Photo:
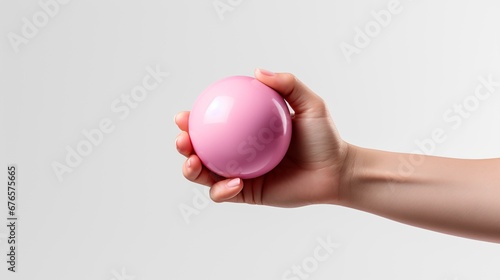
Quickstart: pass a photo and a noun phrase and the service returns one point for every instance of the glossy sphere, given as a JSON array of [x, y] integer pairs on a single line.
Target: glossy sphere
[[240, 127]]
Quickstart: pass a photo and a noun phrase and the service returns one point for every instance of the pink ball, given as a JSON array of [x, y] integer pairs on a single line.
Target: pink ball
[[239, 127]]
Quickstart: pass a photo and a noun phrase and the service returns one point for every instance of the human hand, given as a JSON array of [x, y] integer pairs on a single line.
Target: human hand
[[312, 170]]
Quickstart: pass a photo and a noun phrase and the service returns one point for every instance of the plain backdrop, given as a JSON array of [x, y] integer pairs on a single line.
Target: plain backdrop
[[118, 213]]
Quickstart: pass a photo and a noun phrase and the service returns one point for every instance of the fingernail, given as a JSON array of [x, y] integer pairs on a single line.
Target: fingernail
[[233, 183], [188, 162], [265, 72], [175, 118]]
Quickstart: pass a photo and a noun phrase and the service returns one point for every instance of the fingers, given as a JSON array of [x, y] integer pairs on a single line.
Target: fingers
[[194, 171], [182, 120], [226, 190], [299, 96], [220, 191], [183, 144], [193, 168]]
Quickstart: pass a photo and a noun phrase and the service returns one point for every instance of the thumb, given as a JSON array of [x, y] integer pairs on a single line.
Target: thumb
[[302, 99]]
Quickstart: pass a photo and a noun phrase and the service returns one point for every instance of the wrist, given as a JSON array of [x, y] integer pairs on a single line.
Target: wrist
[[347, 174]]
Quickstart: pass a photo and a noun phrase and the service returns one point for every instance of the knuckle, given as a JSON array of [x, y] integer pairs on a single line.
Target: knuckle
[[214, 197], [189, 174], [290, 78]]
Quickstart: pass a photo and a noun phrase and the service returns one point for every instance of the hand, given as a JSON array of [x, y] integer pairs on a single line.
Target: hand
[[454, 196], [311, 171]]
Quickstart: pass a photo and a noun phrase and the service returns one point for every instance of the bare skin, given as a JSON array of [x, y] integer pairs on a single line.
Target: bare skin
[[454, 196]]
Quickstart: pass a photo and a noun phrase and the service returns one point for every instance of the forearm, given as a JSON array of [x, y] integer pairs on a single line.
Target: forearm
[[455, 196]]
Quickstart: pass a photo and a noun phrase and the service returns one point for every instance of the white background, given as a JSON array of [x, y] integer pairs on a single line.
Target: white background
[[116, 215]]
